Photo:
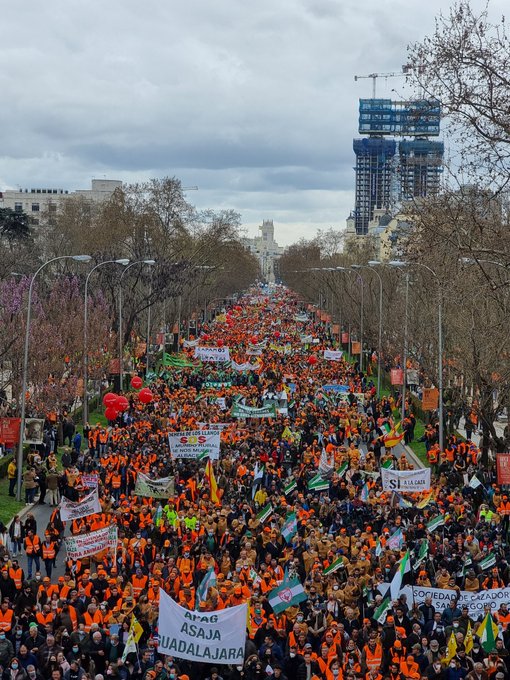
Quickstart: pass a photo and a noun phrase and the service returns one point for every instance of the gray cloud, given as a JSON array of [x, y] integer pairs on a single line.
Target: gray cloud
[[254, 103]]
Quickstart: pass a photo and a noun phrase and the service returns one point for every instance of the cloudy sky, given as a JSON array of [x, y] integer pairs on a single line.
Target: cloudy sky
[[253, 102]]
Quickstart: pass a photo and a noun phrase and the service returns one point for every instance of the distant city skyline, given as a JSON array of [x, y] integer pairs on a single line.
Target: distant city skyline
[[255, 106]]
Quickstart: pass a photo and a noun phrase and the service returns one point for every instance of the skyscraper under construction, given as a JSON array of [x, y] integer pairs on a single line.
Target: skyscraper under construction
[[384, 177]]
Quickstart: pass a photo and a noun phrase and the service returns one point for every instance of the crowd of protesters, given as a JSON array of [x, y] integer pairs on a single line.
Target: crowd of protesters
[[76, 626]]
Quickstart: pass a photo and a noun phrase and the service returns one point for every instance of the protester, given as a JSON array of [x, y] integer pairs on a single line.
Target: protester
[[297, 493]]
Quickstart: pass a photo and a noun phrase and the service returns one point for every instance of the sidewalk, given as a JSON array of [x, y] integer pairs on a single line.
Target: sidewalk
[[475, 438]]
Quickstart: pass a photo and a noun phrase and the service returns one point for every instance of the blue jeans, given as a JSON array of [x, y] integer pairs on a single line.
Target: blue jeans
[[33, 559]]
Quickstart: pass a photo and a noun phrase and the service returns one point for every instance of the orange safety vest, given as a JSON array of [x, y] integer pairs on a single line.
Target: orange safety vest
[[6, 620], [373, 659], [17, 577], [32, 545], [48, 551], [139, 584], [89, 620]]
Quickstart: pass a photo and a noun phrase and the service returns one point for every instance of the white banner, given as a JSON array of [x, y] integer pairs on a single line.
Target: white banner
[[195, 444], [154, 488], [189, 343], [333, 354], [406, 480], [90, 481], [246, 366], [474, 601], [210, 637], [69, 510], [91, 543], [215, 354]]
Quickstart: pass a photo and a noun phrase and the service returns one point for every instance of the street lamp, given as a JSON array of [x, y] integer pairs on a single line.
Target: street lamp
[[399, 263], [85, 407], [371, 264], [121, 354], [358, 266], [76, 258]]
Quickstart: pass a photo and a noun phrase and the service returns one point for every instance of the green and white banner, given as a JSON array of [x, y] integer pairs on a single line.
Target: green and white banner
[[85, 545], [195, 444], [154, 488], [216, 384], [241, 411]]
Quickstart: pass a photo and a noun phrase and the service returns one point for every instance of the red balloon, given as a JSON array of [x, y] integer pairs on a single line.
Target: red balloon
[[136, 382], [111, 413], [220, 343], [145, 395], [205, 337], [238, 308], [109, 399], [122, 404], [277, 334], [312, 359], [254, 339]]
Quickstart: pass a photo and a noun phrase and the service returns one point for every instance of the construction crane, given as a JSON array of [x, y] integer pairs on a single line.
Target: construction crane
[[374, 77]]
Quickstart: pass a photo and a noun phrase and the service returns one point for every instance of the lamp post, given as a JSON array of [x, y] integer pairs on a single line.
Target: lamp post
[[85, 407], [371, 265], [357, 266], [399, 263], [76, 258], [121, 354]]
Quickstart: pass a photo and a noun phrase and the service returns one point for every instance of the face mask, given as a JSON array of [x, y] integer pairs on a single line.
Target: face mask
[[2, 636], [239, 668], [37, 578], [336, 672], [335, 587], [14, 666], [452, 665], [455, 625], [299, 618], [18, 633], [76, 650], [476, 649]]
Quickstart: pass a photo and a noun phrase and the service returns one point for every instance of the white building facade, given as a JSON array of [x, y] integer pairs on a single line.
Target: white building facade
[[40, 203], [266, 249]]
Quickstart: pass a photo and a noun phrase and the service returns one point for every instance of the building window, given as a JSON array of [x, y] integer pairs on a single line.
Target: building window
[[35, 207], [18, 207], [52, 207]]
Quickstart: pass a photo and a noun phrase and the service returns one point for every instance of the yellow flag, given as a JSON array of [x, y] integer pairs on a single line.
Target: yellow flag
[[135, 629], [248, 618], [451, 649], [468, 640]]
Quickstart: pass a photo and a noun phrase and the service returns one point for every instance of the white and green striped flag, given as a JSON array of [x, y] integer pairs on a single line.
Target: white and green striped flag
[[336, 564], [203, 454], [208, 580], [317, 483], [382, 609], [254, 576], [435, 523], [378, 547], [266, 512], [342, 469], [474, 482], [289, 529], [290, 487], [422, 554], [388, 464], [290, 593], [488, 561], [395, 541], [396, 581]]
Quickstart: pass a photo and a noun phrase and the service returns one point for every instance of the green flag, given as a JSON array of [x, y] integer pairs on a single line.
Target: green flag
[[382, 609], [488, 633]]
